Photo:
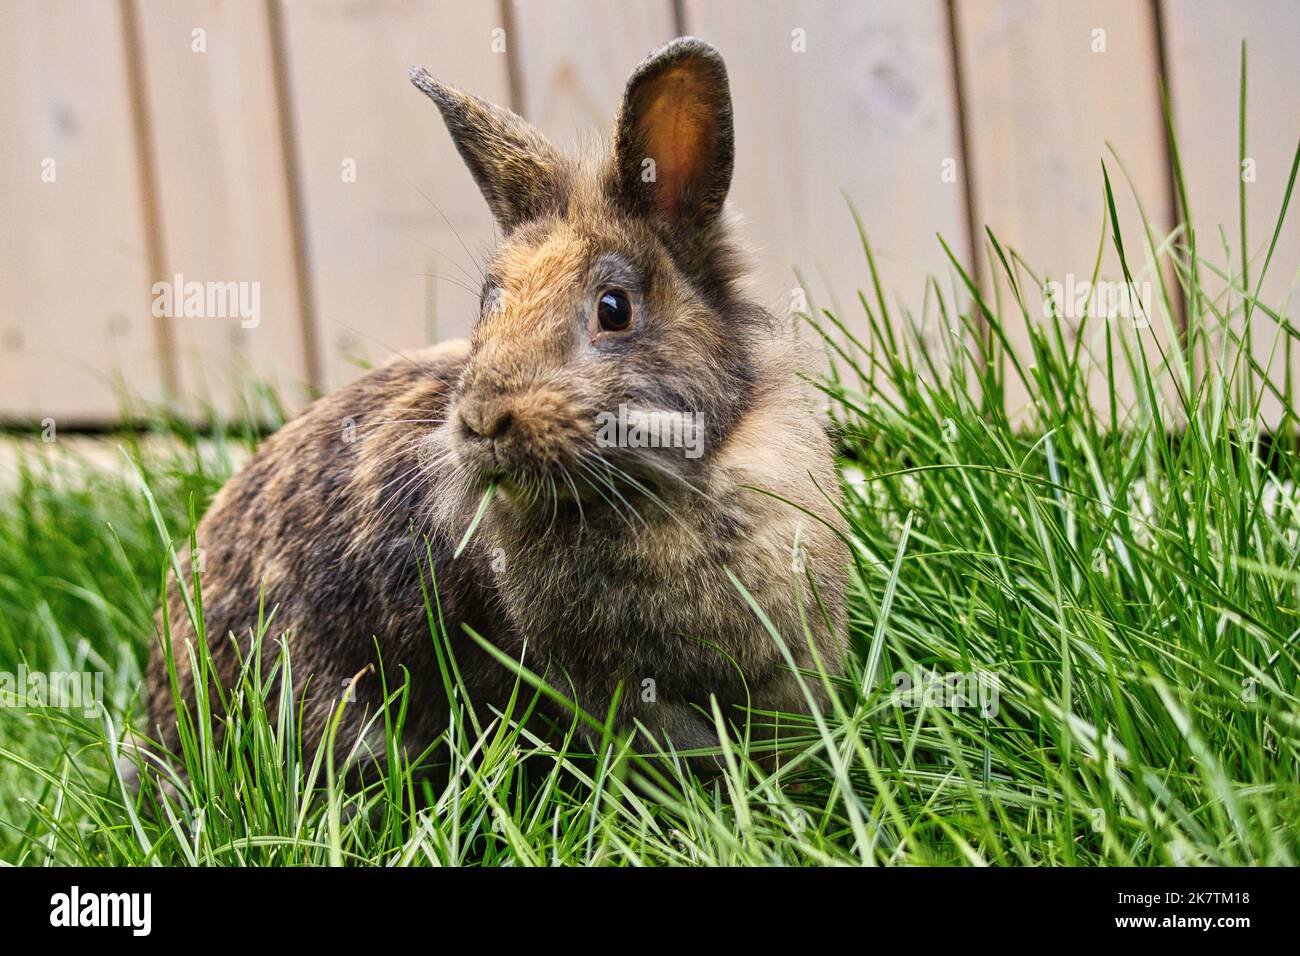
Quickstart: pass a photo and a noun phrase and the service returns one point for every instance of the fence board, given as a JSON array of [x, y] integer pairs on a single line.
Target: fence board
[[1042, 106], [870, 107], [1202, 41], [573, 80], [74, 302], [389, 272], [867, 109], [221, 184]]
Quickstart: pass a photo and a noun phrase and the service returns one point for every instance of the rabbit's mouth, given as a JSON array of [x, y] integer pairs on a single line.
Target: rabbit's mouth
[[515, 440], [578, 482], [546, 453]]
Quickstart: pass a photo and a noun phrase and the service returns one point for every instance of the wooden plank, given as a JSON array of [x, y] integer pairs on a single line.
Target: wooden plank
[[221, 184], [379, 172], [573, 79], [74, 289], [843, 98], [1202, 48], [1045, 92]]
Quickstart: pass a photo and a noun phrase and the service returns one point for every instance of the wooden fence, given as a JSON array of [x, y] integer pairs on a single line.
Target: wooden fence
[[279, 143]]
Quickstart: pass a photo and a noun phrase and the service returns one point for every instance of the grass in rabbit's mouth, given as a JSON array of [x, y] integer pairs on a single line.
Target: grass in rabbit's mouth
[[478, 517], [1074, 631]]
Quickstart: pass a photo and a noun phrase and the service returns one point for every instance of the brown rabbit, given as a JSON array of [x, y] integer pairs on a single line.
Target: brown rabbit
[[610, 311]]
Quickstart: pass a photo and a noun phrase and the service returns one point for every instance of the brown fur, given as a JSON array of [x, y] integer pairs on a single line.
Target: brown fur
[[609, 565]]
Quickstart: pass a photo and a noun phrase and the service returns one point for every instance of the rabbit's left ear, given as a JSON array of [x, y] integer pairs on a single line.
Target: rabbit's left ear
[[673, 142], [518, 171]]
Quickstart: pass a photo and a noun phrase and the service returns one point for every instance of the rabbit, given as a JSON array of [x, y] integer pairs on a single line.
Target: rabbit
[[614, 300]]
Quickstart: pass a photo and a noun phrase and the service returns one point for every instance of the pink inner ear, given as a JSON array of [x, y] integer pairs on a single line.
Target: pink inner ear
[[676, 126]]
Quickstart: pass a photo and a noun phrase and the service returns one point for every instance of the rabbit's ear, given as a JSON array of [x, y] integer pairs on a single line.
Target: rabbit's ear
[[673, 143], [518, 171]]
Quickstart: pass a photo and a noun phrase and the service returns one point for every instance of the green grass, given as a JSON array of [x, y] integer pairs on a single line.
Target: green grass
[[1127, 571]]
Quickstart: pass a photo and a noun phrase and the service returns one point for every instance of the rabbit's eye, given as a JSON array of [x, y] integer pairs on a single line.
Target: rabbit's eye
[[614, 310]]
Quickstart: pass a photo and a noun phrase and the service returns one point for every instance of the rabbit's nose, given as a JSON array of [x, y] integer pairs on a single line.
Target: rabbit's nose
[[485, 421]]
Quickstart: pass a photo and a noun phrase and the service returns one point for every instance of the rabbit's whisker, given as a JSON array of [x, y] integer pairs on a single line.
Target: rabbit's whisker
[[450, 280], [669, 473], [614, 489], [577, 498], [645, 491], [587, 474], [454, 231], [403, 421]]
